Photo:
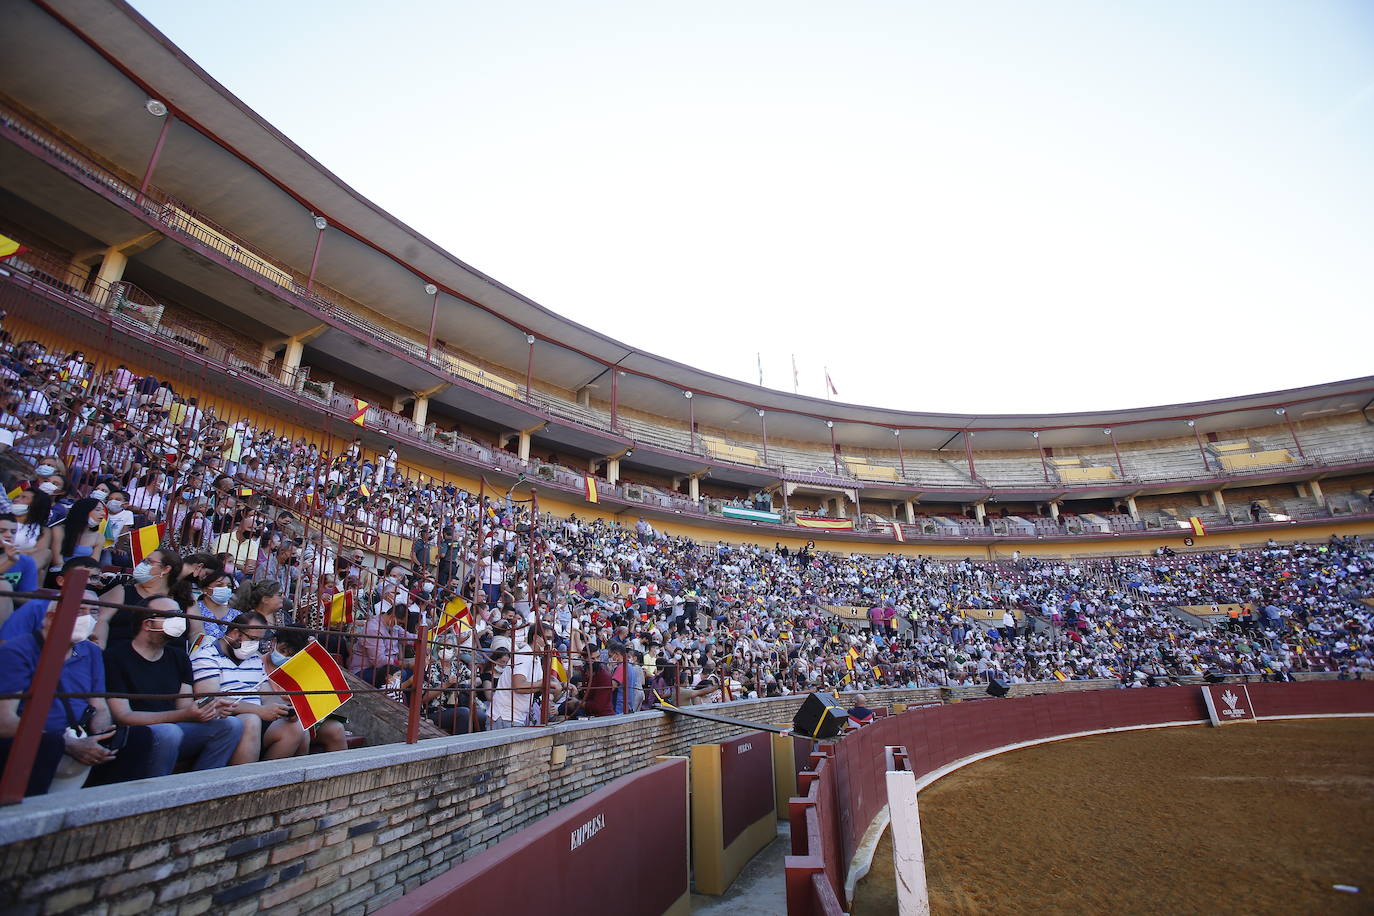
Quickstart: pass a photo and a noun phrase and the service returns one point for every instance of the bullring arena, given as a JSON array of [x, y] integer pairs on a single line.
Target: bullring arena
[[339, 578]]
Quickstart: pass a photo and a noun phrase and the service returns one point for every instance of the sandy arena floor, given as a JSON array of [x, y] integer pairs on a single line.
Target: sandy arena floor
[[1242, 819]]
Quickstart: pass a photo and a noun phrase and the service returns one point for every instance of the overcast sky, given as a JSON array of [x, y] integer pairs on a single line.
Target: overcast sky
[[994, 207]]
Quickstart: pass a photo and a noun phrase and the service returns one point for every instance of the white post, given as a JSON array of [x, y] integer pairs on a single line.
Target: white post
[[908, 853]]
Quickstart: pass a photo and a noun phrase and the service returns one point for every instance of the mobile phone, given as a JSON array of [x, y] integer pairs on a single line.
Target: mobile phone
[[205, 701]]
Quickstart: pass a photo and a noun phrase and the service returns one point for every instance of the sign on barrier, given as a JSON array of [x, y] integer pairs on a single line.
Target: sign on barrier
[[733, 807], [1227, 703], [572, 853]]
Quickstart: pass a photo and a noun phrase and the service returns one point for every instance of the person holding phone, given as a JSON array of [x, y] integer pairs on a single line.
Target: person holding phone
[[78, 733]]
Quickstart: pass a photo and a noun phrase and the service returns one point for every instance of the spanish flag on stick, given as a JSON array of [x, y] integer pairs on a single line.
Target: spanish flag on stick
[[145, 540], [1199, 529], [557, 667], [19, 488], [359, 417], [313, 669], [589, 488], [341, 610], [1059, 675], [455, 616]]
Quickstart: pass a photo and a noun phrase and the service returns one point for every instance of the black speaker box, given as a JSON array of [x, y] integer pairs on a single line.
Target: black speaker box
[[998, 688], [821, 716]]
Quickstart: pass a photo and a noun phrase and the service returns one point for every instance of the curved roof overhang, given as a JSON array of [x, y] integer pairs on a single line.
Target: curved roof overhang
[[87, 69]]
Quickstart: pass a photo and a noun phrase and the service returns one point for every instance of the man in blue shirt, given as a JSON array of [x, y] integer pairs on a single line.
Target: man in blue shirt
[[28, 617], [75, 727]]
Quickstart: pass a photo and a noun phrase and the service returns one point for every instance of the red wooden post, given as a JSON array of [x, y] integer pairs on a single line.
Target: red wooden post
[[968, 454], [834, 453], [1292, 430], [529, 367], [1119, 466], [901, 459], [1044, 468], [615, 398], [691, 422], [53, 656], [417, 684], [763, 424], [433, 319], [1206, 466]]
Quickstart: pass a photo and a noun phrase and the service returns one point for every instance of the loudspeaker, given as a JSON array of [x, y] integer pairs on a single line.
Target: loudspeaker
[[821, 716], [998, 688]]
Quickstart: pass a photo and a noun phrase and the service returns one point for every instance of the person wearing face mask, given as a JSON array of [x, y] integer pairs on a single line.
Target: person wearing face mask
[[84, 533], [204, 731], [28, 617], [216, 591], [448, 706], [77, 732], [241, 543], [234, 663], [330, 733], [32, 508], [158, 575]]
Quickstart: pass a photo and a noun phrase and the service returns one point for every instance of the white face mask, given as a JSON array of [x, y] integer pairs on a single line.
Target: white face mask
[[20, 509], [429, 587], [48, 487], [248, 649], [143, 572], [174, 626], [116, 505], [99, 496], [44, 470], [81, 631]]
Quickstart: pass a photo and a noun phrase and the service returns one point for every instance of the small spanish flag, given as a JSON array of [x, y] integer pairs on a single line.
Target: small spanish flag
[[556, 666], [455, 616], [589, 488], [897, 532], [145, 540], [18, 488], [1059, 675], [341, 610], [364, 490], [9, 248], [245, 492], [310, 670], [877, 672], [849, 662], [1199, 529], [359, 417]]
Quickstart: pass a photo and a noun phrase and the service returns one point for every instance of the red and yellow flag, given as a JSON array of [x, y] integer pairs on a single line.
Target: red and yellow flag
[[19, 488], [557, 667], [589, 488], [364, 490], [313, 669], [145, 540], [9, 248], [341, 610], [455, 616], [359, 417], [1199, 529], [1059, 675], [897, 532], [245, 492]]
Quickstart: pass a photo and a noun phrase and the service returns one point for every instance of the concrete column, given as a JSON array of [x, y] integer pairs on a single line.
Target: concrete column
[[291, 360], [420, 411], [1317, 493], [1054, 511], [523, 449], [269, 353], [980, 513], [910, 511], [694, 488], [1130, 507], [112, 264], [612, 471], [1219, 500]]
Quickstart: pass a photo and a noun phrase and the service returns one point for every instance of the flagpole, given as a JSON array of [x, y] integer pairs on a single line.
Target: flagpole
[[827, 381]]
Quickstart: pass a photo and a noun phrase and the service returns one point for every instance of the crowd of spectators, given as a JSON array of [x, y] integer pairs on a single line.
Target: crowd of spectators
[[556, 617]]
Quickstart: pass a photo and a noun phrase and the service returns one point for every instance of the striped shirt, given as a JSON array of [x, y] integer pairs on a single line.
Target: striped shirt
[[208, 662]]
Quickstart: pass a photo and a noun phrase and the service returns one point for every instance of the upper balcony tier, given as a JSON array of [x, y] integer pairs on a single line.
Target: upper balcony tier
[[354, 292]]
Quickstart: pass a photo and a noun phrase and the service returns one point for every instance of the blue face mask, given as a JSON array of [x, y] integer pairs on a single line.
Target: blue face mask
[[278, 659]]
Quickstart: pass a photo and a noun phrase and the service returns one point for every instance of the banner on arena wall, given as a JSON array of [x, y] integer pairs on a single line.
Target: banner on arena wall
[[833, 524], [1228, 703], [611, 588], [753, 515]]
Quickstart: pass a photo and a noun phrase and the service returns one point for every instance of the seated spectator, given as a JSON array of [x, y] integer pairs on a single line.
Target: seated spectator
[[77, 734], [216, 593], [233, 663], [520, 681], [859, 714], [28, 617], [203, 732], [378, 653]]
